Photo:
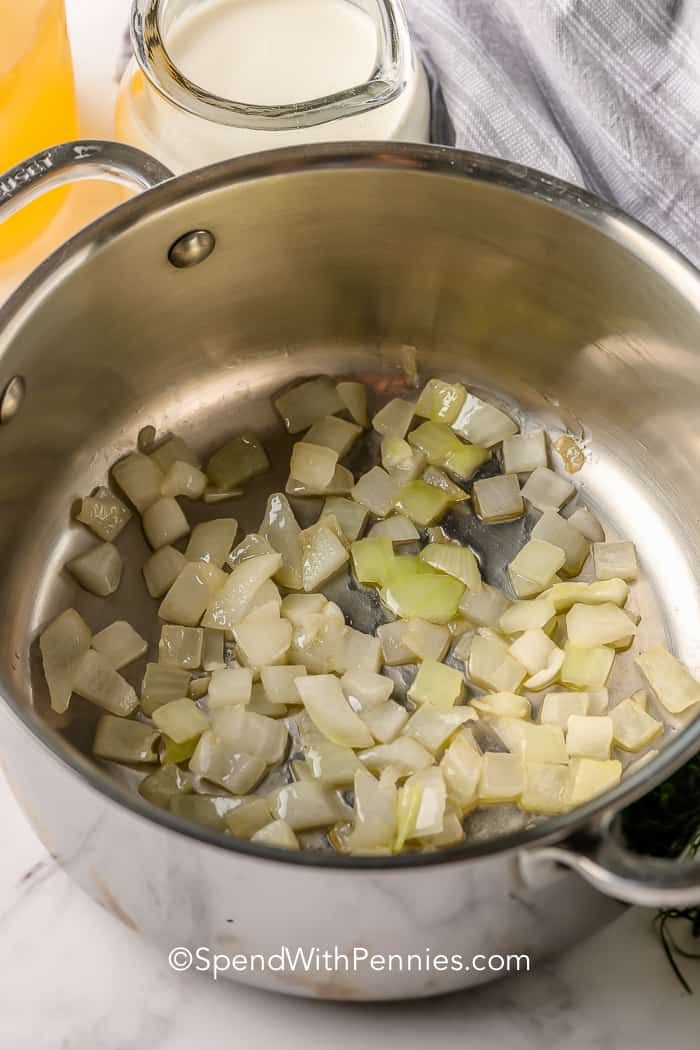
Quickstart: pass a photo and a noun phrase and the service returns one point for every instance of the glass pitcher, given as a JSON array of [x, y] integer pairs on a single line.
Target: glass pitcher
[[212, 79]]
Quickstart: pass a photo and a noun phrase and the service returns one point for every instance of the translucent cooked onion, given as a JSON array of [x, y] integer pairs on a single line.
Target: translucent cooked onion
[[125, 741], [164, 522], [231, 768], [234, 598], [404, 756], [394, 649], [264, 642], [96, 680], [432, 727], [565, 595], [323, 555], [230, 685], [213, 657], [377, 491], [277, 834], [506, 705], [437, 685], [615, 561], [104, 513], [304, 806], [545, 788], [459, 562], [99, 570], [462, 766], [237, 461], [589, 777], [524, 453], [440, 400], [331, 713], [498, 498], [492, 667], [211, 541], [537, 562], [120, 644], [589, 736], [254, 734], [252, 814], [558, 531], [464, 461], [394, 419], [502, 777], [191, 593], [482, 423], [426, 596], [366, 689], [531, 742], [351, 516], [181, 646], [587, 524], [279, 683], [438, 478], [336, 434], [374, 824], [633, 727], [354, 397], [533, 649], [174, 449], [400, 460], [385, 721], [372, 559], [162, 569], [673, 684], [484, 607], [182, 479], [341, 484], [162, 684], [428, 641], [304, 404], [586, 668], [424, 504], [180, 719], [591, 625], [546, 490], [313, 465], [140, 479], [164, 784], [357, 652], [397, 528], [63, 644], [525, 615]]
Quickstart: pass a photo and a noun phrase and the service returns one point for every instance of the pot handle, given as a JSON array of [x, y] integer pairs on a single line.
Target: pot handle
[[597, 856], [73, 162]]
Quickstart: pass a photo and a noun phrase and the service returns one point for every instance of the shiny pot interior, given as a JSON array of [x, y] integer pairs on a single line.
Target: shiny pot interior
[[329, 263]]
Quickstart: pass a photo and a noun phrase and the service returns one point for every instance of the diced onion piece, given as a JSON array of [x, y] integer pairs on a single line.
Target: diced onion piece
[[230, 685], [397, 528], [279, 683], [341, 484], [615, 561], [375, 813], [482, 423], [278, 835], [199, 687], [502, 777], [377, 491], [354, 397], [230, 767], [358, 651], [313, 465], [549, 673], [182, 479], [436, 441], [558, 707], [424, 504], [213, 650], [211, 541], [385, 721], [63, 644], [428, 641], [498, 498], [365, 690], [394, 649], [485, 607], [589, 736], [350, 516], [331, 713], [162, 569], [304, 806], [545, 788], [564, 595], [394, 419], [427, 817], [254, 734], [432, 727], [589, 777], [527, 615], [281, 530], [191, 593], [304, 404], [493, 668], [587, 524], [181, 646], [250, 816], [139, 478], [557, 530], [537, 561], [233, 600], [104, 513], [99, 570], [459, 562], [251, 546], [426, 596], [120, 644], [164, 522], [316, 644], [126, 741], [633, 728], [372, 559], [180, 719], [503, 705], [523, 588], [533, 649], [261, 705], [96, 680], [333, 433], [174, 449], [438, 478], [440, 400], [461, 766], [545, 490], [464, 461], [534, 743], [400, 460], [323, 555], [641, 698], [237, 461], [452, 831], [672, 683], [162, 684], [524, 453], [263, 642], [165, 783], [404, 755], [597, 701], [590, 625], [298, 607], [437, 685], [586, 668], [207, 810]]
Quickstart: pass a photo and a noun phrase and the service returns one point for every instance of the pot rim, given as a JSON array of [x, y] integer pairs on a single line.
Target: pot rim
[[609, 220]]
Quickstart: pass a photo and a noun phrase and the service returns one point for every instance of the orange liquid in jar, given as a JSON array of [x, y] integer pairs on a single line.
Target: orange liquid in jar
[[37, 104]]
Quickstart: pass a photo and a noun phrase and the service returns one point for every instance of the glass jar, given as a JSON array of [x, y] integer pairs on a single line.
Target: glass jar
[[212, 79]]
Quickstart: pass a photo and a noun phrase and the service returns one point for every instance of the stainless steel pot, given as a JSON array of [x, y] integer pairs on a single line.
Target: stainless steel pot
[[185, 308]]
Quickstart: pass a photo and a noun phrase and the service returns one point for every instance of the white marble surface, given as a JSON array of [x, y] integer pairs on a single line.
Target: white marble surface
[[73, 978]]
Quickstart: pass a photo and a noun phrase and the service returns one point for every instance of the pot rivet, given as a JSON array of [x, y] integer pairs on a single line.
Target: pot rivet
[[12, 398], [192, 248]]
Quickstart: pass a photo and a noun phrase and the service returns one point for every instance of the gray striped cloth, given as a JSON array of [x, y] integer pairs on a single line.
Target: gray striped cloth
[[603, 93]]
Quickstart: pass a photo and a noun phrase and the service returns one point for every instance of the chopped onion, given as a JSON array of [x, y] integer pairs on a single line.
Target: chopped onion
[[262, 643], [546, 490], [502, 777], [174, 450], [403, 755], [558, 531], [432, 727], [254, 734], [213, 650], [564, 595], [545, 788], [354, 397], [633, 728], [162, 569], [97, 681], [428, 641], [426, 596], [505, 705], [181, 646], [279, 683], [440, 400], [485, 607], [461, 766], [164, 784], [190, 594], [99, 570], [459, 562], [164, 522], [524, 453], [498, 498], [317, 643], [673, 684], [250, 816], [394, 419], [532, 742], [323, 556], [266, 603], [208, 810], [277, 834], [281, 530], [104, 513], [422, 503], [482, 423], [298, 607], [527, 615], [237, 461], [162, 684], [589, 736], [63, 644], [438, 478], [365, 690], [309, 805], [586, 668], [421, 806], [436, 441], [120, 644], [377, 491], [400, 460], [230, 685], [333, 433], [587, 524], [325, 702], [590, 625], [524, 588], [533, 649], [126, 741], [437, 685], [233, 600], [180, 719], [372, 559], [397, 528], [558, 707], [375, 813], [394, 649], [464, 461], [597, 701], [211, 541], [537, 562], [182, 479], [615, 561], [261, 705], [548, 674], [589, 777], [492, 667], [358, 652], [217, 761], [341, 484], [386, 721], [139, 478], [304, 404], [199, 687], [313, 465], [350, 516]]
